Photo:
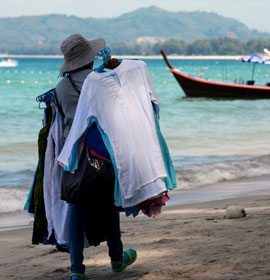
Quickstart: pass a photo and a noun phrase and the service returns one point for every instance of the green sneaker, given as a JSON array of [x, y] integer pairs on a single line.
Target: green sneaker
[[128, 258], [78, 276]]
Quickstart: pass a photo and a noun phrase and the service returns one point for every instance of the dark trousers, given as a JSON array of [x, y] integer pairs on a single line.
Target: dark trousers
[[76, 235]]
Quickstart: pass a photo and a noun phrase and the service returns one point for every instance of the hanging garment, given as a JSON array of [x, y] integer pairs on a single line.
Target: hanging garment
[[120, 102], [35, 201], [56, 209]]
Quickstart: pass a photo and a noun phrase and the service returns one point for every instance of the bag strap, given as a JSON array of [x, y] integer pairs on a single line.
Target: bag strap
[[73, 84]]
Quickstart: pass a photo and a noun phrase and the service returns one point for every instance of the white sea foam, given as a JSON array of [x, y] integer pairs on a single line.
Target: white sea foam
[[196, 175], [189, 175], [12, 199]]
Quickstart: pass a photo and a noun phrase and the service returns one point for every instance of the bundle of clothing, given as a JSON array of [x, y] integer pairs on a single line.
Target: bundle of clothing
[[119, 109], [123, 105]]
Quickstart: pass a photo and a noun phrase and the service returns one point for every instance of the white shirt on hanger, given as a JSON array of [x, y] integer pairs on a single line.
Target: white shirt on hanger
[[121, 101]]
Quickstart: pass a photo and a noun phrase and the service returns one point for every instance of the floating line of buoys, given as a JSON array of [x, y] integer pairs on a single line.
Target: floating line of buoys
[[24, 81], [40, 72]]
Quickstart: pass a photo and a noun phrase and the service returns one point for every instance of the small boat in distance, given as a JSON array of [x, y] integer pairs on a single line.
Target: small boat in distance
[[8, 62], [199, 87]]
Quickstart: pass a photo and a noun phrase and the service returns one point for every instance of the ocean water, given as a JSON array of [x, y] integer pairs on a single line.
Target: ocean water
[[210, 140]]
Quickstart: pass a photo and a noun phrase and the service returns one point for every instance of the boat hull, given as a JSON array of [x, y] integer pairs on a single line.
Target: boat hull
[[195, 87], [198, 87]]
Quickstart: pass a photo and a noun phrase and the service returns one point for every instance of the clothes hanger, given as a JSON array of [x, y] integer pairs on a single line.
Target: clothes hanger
[[108, 61]]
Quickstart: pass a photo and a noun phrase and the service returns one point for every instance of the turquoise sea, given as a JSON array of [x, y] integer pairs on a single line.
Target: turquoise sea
[[210, 140]]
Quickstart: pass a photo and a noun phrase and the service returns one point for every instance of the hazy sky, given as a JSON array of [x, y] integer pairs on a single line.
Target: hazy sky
[[254, 14]]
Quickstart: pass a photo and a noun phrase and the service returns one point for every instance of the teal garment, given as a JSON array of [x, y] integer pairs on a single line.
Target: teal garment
[[74, 156], [27, 206], [170, 181]]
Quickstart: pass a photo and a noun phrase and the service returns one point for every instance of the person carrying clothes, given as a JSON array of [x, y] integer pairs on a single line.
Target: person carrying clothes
[[92, 211]]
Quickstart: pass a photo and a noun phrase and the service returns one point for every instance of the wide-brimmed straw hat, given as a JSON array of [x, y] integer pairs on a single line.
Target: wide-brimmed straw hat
[[79, 52]]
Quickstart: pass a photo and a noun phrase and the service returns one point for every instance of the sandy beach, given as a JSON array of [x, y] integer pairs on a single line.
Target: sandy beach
[[189, 240]]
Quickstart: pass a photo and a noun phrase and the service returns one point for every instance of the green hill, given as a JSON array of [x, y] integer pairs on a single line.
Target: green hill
[[43, 34]]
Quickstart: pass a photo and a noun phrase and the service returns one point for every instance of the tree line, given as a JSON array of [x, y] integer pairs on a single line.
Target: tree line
[[217, 46]]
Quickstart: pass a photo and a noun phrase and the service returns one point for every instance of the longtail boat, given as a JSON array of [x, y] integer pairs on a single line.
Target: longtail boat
[[200, 87]]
